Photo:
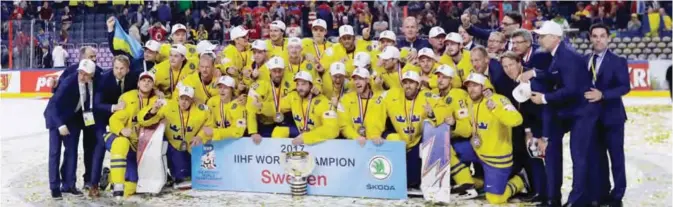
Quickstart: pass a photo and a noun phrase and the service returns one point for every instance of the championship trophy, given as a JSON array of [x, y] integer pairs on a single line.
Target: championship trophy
[[299, 165]]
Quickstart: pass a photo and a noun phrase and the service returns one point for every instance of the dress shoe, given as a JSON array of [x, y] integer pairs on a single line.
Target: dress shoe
[[73, 191], [56, 194]]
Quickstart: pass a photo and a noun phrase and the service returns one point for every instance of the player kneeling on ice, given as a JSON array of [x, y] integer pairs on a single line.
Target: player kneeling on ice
[[228, 115], [493, 117], [122, 140], [184, 120]]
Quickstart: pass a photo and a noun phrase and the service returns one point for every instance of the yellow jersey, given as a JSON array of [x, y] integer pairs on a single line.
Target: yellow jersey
[[165, 51], [338, 53], [127, 118], [228, 120], [314, 49], [456, 101], [312, 116], [265, 91], [462, 68], [167, 79], [407, 116], [273, 50], [181, 126], [494, 129], [356, 112], [202, 91]]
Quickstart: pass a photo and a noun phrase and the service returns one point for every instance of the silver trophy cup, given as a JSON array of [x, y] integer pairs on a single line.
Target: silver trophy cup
[[299, 165]]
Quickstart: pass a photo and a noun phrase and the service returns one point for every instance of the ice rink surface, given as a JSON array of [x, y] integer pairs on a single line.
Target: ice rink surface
[[24, 148]]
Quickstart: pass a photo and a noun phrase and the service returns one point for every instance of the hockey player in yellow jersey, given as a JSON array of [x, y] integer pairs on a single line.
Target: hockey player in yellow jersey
[[340, 84], [264, 97], [493, 117], [228, 114], [386, 38], [456, 57], [178, 36], [122, 140], [407, 119], [170, 72], [426, 66], [184, 121], [256, 69], [236, 55], [314, 48], [312, 115], [362, 115], [296, 62], [277, 44], [203, 82], [345, 50], [391, 76]]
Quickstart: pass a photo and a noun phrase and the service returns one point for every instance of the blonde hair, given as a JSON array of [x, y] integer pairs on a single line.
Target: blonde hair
[[123, 59]]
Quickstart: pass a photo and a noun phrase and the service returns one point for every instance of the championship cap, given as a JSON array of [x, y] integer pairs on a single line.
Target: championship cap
[[179, 48], [337, 68], [428, 53], [237, 32], [152, 45], [178, 27], [146, 74], [436, 31], [186, 91], [362, 59], [390, 52], [446, 70], [294, 41], [411, 75], [522, 92], [86, 65], [319, 23], [346, 30], [361, 72], [454, 37], [388, 35], [276, 62], [259, 45], [227, 81], [550, 28], [476, 78], [303, 75], [277, 24], [204, 46]]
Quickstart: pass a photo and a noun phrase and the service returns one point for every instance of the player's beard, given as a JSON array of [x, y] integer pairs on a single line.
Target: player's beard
[[410, 93], [304, 93]]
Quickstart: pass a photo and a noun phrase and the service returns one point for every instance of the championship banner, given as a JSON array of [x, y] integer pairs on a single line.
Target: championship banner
[[342, 167]]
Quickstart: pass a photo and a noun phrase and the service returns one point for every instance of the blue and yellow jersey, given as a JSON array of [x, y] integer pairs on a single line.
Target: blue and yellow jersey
[[127, 118], [350, 109], [456, 103], [463, 67], [167, 79], [228, 120], [312, 116], [494, 128], [181, 126], [264, 91], [407, 116], [202, 91], [165, 51]]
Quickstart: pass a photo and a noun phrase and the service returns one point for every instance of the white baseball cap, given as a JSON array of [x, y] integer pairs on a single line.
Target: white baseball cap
[[361, 72], [303, 75], [179, 48], [275, 62], [186, 91], [476, 78], [522, 92], [390, 52], [294, 41], [550, 28], [446, 70], [388, 35], [205, 46], [428, 53], [277, 24], [178, 27], [436, 31], [152, 45], [362, 59], [86, 65], [146, 74], [454, 37], [259, 45], [237, 32], [346, 30], [337, 68], [227, 81], [411, 75], [319, 23]]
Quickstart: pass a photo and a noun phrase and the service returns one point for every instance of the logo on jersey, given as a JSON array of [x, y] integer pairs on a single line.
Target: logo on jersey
[[482, 125], [380, 167]]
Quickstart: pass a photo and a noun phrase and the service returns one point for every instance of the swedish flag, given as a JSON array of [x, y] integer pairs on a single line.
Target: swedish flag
[[122, 41]]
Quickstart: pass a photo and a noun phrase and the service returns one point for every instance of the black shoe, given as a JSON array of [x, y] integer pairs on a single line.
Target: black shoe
[[73, 191], [550, 203], [56, 194], [464, 192], [615, 204], [532, 198], [104, 179]]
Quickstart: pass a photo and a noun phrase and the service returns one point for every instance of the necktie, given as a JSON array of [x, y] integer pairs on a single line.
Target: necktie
[[87, 102], [121, 85], [594, 70]]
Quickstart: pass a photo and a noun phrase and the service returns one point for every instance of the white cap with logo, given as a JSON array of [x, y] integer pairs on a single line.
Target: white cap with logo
[[411, 75], [87, 66], [184, 90], [522, 92], [427, 52], [294, 41], [237, 32], [362, 59], [346, 30], [146, 74], [227, 81], [303, 75], [275, 63], [388, 35], [152, 45], [361, 72], [259, 45], [178, 27], [550, 28], [390, 52], [319, 23], [204, 46], [454, 37], [436, 31], [278, 25], [476, 78], [337, 68], [446, 70], [179, 48]]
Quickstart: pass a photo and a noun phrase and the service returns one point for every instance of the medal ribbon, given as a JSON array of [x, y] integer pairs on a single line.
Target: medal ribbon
[[183, 124], [173, 82], [317, 50], [140, 101], [363, 111], [222, 113], [409, 114], [245, 58], [306, 113], [475, 118], [592, 66], [205, 90], [276, 97], [399, 72]]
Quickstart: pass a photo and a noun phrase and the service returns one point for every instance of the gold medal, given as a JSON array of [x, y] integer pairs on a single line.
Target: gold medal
[[183, 146], [362, 131], [476, 141], [279, 118]]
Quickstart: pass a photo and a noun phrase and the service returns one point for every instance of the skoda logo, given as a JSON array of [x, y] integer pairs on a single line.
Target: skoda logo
[[380, 167]]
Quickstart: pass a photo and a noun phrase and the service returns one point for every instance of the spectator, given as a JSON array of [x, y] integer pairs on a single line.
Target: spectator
[[468, 40], [484, 16], [226, 29], [216, 32], [201, 34], [59, 55], [43, 38], [654, 22], [411, 39], [493, 22], [46, 58], [206, 20], [670, 82], [603, 18], [46, 13], [548, 10], [124, 19], [380, 25], [666, 18], [622, 15], [164, 13], [135, 32], [293, 30], [158, 32], [66, 19], [561, 21], [496, 44], [64, 36], [428, 22]]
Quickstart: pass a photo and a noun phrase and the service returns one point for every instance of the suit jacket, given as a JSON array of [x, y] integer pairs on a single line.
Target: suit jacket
[[483, 34], [73, 70], [612, 80], [538, 59], [108, 93], [501, 82], [61, 107], [418, 44], [570, 78]]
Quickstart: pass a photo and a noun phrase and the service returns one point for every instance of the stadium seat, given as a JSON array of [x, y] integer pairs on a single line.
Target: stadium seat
[[584, 46], [651, 45], [656, 39], [612, 45], [635, 39], [587, 51], [632, 57], [670, 56], [647, 39], [642, 45], [666, 39], [656, 50], [661, 45], [626, 39], [617, 40], [631, 45], [621, 45], [652, 57], [662, 56], [641, 57], [647, 51], [627, 51], [637, 51], [617, 51], [670, 44], [667, 50]]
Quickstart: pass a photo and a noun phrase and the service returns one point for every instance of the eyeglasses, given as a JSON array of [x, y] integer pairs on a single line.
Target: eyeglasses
[[518, 42], [507, 24]]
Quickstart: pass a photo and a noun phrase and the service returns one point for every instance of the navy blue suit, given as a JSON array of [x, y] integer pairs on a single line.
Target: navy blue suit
[[61, 111], [612, 80], [107, 94], [483, 34], [501, 82], [418, 44], [568, 110], [73, 70]]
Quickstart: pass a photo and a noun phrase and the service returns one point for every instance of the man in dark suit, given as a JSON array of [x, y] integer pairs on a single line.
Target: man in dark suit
[[85, 52], [492, 69], [569, 110], [468, 40], [531, 56], [510, 22], [68, 111], [111, 85], [611, 81]]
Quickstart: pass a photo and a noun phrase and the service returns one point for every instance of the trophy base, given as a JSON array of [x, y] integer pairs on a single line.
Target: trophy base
[[298, 187]]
